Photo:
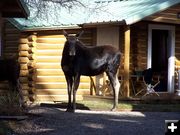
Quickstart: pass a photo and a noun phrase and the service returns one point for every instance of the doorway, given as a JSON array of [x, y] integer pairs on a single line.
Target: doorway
[[162, 36], [160, 57]]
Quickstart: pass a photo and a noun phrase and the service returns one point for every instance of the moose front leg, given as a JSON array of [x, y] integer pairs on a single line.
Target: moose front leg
[[75, 87], [69, 81]]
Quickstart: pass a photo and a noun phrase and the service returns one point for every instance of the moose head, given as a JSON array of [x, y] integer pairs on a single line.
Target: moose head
[[71, 41]]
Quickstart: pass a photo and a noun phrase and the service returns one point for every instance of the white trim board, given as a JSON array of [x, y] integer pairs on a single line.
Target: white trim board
[[171, 59]]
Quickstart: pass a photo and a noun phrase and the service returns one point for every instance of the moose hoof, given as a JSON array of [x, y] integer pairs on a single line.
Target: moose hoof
[[70, 110], [113, 109]]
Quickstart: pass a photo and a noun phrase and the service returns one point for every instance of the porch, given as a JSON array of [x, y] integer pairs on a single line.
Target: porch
[[163, 98], [136, 84]]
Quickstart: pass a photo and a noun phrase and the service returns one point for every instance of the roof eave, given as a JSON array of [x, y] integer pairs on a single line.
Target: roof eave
[[95, 24], [15, 23], [26, 29], [140, 16], [70, 26]]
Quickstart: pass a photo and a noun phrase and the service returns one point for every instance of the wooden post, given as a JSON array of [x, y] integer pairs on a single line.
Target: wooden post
[[92, 86], [126, 61]]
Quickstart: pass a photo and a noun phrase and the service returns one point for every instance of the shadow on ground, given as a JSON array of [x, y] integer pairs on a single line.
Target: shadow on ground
[[55, 121], [63, 105]]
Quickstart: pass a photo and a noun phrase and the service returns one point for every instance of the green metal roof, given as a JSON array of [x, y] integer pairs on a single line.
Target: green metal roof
[[96, 11]]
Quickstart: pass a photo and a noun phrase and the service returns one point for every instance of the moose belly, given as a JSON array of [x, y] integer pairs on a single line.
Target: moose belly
[[89, 71]]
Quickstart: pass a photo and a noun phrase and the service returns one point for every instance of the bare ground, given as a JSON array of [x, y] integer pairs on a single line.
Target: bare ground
[[55, 121]]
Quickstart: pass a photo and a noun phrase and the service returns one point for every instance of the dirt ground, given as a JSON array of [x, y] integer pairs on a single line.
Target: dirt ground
[[55, 121]]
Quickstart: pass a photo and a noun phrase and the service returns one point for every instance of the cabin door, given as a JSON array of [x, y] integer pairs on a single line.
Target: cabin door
[[160, 56]]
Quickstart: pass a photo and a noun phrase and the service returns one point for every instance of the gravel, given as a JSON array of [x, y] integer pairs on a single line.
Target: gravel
[[55, 121]]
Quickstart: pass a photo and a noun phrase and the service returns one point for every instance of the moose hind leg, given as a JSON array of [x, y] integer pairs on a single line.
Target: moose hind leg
[[116, 93], [116, 86]]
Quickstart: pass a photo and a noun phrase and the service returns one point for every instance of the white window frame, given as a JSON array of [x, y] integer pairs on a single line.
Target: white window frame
[[171, 59]]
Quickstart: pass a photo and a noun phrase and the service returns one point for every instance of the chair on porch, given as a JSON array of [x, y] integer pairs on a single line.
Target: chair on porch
[[149, 83], [106, 88]]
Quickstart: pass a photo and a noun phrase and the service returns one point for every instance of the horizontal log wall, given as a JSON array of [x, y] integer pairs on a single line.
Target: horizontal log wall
[[10, 40], [139, 44], [138, 47], [121, 48], [10, 48], [177, 39]]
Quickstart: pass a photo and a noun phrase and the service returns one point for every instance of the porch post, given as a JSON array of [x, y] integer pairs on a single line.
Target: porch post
[[126, 61]]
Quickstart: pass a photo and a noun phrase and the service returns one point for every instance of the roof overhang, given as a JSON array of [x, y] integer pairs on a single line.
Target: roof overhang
[[14, 8], [169, 16], [96, 24], [129, 12], [150, 11]]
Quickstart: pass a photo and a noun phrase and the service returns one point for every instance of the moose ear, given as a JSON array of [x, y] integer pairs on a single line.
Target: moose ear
[[65, 33], [79, 34]]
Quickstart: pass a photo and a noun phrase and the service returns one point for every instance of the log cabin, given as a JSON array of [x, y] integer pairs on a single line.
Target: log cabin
[[147, 32], [9, 9]]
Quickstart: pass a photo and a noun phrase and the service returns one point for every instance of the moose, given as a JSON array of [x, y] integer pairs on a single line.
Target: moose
[[9, 71], [78, 59]]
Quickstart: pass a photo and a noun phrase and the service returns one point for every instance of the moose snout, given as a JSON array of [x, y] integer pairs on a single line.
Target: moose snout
[[72, 53]]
